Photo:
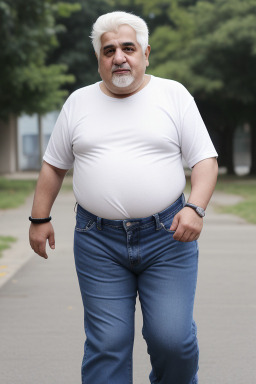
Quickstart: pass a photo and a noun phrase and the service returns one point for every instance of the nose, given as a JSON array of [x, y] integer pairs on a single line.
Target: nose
[[119, 57]]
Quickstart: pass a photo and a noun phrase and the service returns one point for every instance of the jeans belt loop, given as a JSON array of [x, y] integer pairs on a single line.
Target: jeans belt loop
[[99, 222], [157, 219]]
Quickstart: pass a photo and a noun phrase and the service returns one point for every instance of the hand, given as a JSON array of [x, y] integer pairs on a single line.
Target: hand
[[38, 235], [187, 225]]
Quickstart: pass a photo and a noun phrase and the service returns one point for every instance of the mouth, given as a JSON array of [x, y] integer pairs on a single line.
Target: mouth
[[121, 71]]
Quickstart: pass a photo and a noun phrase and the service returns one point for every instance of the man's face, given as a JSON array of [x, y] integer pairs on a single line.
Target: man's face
[[122, 63]]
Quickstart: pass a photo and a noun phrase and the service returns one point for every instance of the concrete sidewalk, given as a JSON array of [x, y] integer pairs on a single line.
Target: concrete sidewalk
[[41, 323]]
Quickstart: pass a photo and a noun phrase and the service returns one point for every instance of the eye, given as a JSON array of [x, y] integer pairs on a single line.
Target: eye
[[109, 52], [129, 49]]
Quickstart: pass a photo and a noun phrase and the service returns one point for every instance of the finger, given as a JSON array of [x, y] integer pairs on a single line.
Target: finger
[[185, 237], [51, 241], [178, 235], [175, 223], [192, 237], [41, 251], [34, 247]]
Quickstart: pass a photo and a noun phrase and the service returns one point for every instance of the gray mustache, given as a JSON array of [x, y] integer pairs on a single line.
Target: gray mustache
[[122, 66]]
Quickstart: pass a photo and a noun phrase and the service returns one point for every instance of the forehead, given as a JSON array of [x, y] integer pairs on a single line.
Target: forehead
[[125, 33]]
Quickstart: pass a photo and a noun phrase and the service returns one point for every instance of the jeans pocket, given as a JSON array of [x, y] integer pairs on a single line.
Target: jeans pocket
[[166, 223], [84, 223]]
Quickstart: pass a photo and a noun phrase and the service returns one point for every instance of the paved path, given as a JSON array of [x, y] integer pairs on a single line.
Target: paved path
[[41, 320]]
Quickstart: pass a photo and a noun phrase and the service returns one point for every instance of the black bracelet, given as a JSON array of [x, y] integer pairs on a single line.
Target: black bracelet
[[40, 221]]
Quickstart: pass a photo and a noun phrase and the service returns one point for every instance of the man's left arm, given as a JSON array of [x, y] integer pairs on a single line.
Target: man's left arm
[[187, 224]]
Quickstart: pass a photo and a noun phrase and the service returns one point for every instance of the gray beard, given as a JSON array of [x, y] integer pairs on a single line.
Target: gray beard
[[122, 81]]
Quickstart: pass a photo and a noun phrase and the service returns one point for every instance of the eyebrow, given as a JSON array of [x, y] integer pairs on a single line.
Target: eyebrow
[[125, 44]]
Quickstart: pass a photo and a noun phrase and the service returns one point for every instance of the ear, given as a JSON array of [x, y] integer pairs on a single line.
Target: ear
[[147, 52], [98, 61]]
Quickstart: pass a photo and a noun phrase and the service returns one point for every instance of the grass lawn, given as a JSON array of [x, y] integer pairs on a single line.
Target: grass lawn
[[5, 242], [14, 192], [241, 186]]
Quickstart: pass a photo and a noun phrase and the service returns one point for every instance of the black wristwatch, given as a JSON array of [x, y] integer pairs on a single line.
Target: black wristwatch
[[200, 211]]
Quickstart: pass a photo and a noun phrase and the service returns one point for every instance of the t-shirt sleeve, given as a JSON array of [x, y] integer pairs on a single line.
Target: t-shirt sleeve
[[196, 144], [59, 151]]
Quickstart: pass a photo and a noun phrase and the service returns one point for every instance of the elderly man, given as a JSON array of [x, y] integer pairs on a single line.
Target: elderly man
[[135, 234]]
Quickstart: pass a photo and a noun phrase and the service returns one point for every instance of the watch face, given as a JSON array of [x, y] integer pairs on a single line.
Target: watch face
[[200, 211]]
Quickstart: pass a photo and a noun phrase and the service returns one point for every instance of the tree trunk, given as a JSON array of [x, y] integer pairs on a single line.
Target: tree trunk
[[253, 149], [8, 145], [40, 138], [229, 147]]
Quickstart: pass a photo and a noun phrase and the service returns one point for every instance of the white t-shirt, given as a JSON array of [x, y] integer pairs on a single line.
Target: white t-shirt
[[127, 153]]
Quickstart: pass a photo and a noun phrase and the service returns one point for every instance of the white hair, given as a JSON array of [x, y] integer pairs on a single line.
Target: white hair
[[110, 23]]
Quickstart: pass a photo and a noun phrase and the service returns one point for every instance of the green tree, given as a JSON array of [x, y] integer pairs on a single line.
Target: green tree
[[75, 49], [211, 48], [28, 32]]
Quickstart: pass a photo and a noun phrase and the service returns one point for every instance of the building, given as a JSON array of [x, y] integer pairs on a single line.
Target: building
[[23, 142]]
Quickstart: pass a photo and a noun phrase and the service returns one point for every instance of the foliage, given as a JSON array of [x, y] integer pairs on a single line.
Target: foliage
[[210, 47], [28, 32], [14, 192], [75, 49]]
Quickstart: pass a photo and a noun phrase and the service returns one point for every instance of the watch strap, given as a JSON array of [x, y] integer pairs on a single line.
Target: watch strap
[[200, 211]]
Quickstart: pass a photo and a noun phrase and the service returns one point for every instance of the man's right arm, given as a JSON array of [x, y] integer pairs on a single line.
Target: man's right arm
[[47, 188]]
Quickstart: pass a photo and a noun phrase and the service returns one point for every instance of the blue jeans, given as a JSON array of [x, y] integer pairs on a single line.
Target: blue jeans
[[115, 260]]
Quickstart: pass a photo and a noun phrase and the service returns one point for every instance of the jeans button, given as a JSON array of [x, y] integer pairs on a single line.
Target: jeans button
[[128, 224]]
